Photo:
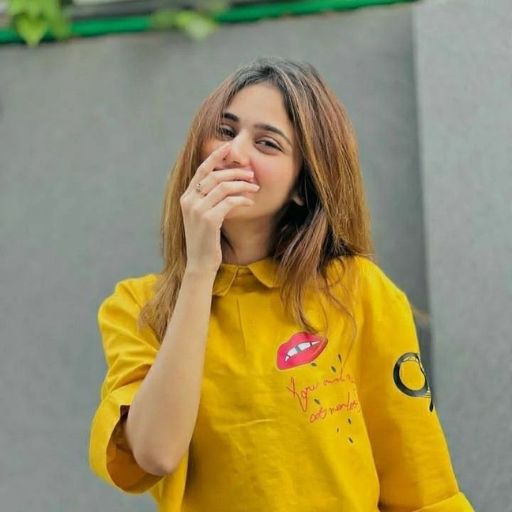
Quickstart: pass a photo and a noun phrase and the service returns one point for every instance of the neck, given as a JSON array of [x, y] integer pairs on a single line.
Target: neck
[[249, 241]]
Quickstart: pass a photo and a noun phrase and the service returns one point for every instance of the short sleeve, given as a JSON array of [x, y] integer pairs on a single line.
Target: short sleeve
[[409, 447], [129, 355]]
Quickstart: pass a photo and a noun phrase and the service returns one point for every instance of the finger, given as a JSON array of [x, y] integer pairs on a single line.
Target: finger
[[215, 178], [220, 210], [213, 159], [225, 189]]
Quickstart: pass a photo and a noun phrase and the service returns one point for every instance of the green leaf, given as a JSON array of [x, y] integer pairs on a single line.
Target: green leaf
[[51, 8], [184, 17], [31, 30], [164, 19], [60, 27], [35, 9], [196, 25], [15, 7]]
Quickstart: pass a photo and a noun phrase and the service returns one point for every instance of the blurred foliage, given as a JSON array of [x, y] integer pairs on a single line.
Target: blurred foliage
[[198, 23], [33, 19]]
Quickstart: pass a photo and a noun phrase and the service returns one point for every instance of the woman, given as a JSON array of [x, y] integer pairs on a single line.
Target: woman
[[271, 365]]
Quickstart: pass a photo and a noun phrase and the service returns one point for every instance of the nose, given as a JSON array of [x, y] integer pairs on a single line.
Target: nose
[[238, 155]]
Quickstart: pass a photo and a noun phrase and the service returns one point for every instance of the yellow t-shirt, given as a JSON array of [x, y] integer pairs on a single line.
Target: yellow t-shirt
[[288, 420]]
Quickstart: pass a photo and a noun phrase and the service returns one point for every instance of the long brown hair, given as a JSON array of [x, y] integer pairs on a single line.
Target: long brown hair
[[333, 223]]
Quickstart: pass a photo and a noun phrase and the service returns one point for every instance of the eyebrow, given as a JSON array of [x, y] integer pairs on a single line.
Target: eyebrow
[[262, 126]]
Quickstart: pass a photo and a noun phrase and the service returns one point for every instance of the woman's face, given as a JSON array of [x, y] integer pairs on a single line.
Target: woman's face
[[269, 151]]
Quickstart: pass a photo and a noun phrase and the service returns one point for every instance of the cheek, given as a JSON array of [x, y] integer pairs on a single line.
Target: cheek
[[276, 177], [208, 148]]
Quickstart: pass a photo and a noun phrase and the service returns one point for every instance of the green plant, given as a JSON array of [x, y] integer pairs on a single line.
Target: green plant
[[33, 19], [197, 23]]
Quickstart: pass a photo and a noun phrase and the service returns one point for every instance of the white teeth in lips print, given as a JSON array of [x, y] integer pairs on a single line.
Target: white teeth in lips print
[[299, 348], [302, 348]]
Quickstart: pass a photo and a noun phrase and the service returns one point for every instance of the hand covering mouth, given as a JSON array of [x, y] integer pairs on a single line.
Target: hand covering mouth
[[248, 180]]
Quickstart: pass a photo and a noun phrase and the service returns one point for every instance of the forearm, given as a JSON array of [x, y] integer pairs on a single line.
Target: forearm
[[163, 413]]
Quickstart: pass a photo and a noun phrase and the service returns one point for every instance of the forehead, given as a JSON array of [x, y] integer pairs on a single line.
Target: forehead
[[261, 103]]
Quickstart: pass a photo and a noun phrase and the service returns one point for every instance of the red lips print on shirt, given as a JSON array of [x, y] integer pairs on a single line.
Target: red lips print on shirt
[[301, 348]]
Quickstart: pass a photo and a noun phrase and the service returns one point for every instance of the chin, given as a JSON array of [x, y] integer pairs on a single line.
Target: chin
[[239, 212], [243, 212]]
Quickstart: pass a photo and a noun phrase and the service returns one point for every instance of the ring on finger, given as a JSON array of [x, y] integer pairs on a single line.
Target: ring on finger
[[198, 188]]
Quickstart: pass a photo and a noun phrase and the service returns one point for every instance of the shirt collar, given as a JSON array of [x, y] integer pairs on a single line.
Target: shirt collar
[[265, 270]]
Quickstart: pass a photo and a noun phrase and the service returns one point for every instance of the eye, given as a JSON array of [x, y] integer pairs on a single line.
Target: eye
[[224, 131], [271, 144], [228, 132]]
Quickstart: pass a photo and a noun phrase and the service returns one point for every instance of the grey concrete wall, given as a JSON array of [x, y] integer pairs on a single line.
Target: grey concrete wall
[[464, 63], [88, 130]]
